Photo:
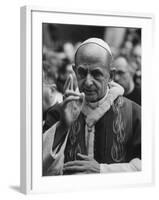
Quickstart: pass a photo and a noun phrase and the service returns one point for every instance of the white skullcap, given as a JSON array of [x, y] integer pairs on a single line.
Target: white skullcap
[[98, 42]]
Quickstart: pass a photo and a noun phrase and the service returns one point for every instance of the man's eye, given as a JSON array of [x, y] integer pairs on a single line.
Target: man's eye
[[82, 72], [96, 74]]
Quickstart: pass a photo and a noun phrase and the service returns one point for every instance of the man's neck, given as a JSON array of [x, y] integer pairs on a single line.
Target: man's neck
[[98, 102]]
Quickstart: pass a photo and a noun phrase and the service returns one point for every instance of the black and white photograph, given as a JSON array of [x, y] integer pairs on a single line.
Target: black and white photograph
[[91, 99], [79, 100], [86, 100]]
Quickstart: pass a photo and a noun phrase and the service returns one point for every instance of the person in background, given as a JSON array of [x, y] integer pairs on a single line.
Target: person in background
[[136, 59], [50, 97], [50, 69], [124, 75], [55, 72], [136, 55], [69, 50], [137, 79], [126, 49], [63, 72]]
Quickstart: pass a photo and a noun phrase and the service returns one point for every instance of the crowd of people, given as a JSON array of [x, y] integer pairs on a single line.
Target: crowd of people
[[59, 58]]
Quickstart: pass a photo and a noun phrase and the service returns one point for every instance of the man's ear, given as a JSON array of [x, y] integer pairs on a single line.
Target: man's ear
[[112, 74]]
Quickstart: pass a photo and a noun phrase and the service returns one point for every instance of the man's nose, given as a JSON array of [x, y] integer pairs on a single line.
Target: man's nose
[[116, 77], [89, 80]]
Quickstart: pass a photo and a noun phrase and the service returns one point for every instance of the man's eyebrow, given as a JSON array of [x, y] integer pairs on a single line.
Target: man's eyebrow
[[96, 69], [81, 66]]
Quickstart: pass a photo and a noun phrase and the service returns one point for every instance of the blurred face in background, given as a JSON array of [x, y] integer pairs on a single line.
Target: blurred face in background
[[50, 67], [127, 48], [64, 70], [52, 70], [138, 79], [122, 73], [48, 97], [92, 71], [136, 55]]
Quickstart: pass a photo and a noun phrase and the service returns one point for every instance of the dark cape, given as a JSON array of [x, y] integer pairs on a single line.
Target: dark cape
[[135, 95]]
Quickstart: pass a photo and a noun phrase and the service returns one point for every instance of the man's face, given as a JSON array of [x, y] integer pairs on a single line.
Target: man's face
[[92, 71], [136, 54], [122, 75]]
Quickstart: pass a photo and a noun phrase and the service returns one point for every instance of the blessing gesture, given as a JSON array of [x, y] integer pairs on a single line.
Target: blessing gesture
[[72, 103]]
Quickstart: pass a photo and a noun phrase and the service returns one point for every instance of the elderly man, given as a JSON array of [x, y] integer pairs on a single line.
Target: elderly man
[[124, 75], [95, 129]]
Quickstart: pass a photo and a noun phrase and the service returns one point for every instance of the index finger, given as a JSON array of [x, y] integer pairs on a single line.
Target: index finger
[[71, 82], [67, 84]]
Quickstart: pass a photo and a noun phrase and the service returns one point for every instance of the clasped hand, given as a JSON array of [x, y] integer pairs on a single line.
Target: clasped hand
[[85, 165]]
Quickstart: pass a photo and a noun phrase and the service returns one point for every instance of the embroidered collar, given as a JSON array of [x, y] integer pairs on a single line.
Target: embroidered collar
[[94, 111]]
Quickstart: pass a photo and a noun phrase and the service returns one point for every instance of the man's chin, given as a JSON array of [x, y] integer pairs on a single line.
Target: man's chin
[[90, 98]]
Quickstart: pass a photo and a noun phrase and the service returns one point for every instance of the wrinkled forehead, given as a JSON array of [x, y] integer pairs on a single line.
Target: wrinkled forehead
[[92, 54]]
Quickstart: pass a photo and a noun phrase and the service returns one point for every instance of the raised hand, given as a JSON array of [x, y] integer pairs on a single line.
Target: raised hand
[[72, 103]]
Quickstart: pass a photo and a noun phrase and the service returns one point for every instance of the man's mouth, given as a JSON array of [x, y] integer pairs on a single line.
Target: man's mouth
[[88, 91]]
